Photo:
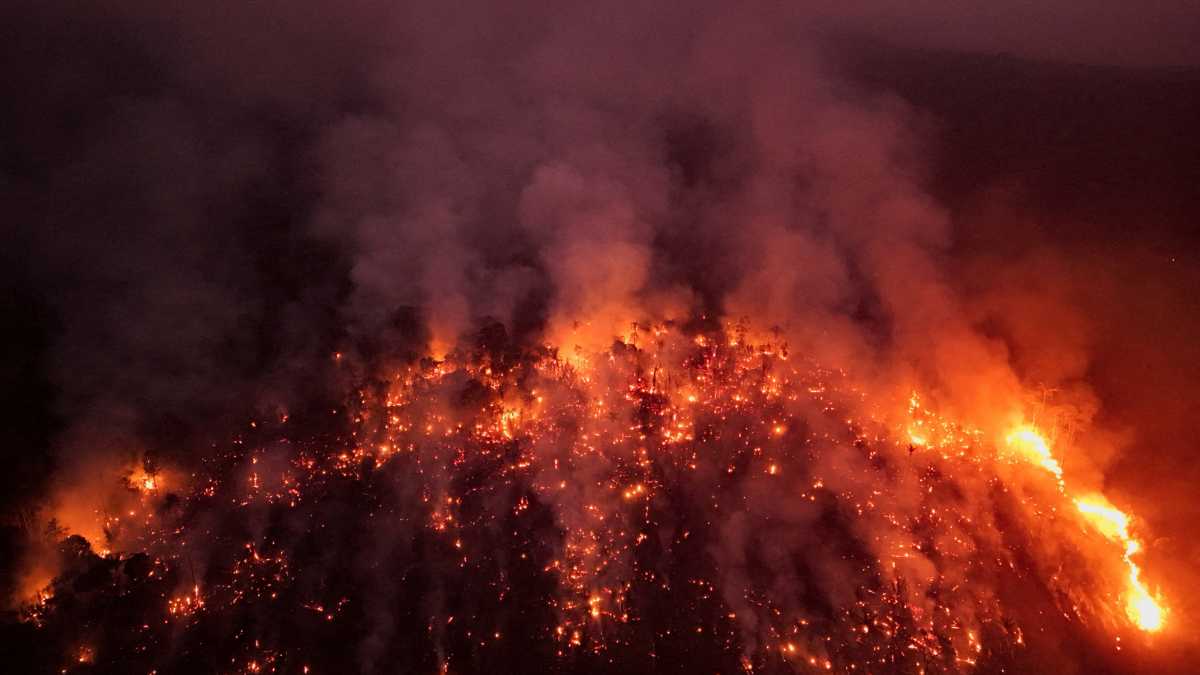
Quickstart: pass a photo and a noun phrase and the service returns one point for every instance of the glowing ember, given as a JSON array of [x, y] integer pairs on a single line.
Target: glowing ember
[[185, 605], [565, 471], [143, 481], [86, 655]]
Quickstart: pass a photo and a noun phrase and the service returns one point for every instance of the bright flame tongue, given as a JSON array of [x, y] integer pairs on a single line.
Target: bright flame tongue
[[1031, 445], [1143, 610], [1141, 607]]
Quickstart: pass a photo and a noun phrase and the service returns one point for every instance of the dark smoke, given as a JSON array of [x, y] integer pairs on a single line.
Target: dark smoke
[[204, 203]]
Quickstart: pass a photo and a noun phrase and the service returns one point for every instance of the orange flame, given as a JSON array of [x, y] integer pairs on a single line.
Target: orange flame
[[1142, 608], [1031, 446]]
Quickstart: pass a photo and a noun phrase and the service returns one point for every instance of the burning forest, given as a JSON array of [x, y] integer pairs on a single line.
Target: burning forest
[[571, 501], [406, 339]]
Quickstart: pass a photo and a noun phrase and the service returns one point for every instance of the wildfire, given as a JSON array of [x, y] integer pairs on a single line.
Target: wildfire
[[85, 655], [596, 446], [1142, 608], [1032, 447], [187, 604], [144, 481]]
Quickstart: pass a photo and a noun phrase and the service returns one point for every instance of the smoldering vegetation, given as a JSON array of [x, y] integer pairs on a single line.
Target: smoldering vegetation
[[206, 205], [767, 532]]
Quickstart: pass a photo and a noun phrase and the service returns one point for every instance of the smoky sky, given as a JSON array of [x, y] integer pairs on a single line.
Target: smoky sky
[[203, 202], [1098, 32]]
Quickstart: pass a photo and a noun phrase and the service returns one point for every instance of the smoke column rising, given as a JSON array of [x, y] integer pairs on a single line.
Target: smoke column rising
[[211, 201]]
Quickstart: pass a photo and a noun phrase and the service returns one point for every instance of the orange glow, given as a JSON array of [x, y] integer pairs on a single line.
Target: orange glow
[[1142, 608], [1032, 447], [635, 416], [143, 481], [86, 655]]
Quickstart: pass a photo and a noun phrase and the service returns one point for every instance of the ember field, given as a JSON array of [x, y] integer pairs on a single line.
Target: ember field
[[684, 498], [608, 337]]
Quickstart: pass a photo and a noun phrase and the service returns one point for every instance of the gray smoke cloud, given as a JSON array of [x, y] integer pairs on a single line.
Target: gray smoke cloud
[[225, 195]]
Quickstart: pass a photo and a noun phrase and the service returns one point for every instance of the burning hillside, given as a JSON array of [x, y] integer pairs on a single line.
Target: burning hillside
[[682, 490], [613, 337]]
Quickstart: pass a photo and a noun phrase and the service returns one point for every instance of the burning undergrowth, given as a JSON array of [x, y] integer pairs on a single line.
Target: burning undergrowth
[[398, 337], [683, 497]]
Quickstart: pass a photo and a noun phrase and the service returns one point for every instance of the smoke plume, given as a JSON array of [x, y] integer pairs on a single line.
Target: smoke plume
[[245, 220]]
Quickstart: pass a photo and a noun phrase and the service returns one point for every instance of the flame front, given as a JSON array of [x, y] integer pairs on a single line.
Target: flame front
[[1029, 443], [1141, 607]]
